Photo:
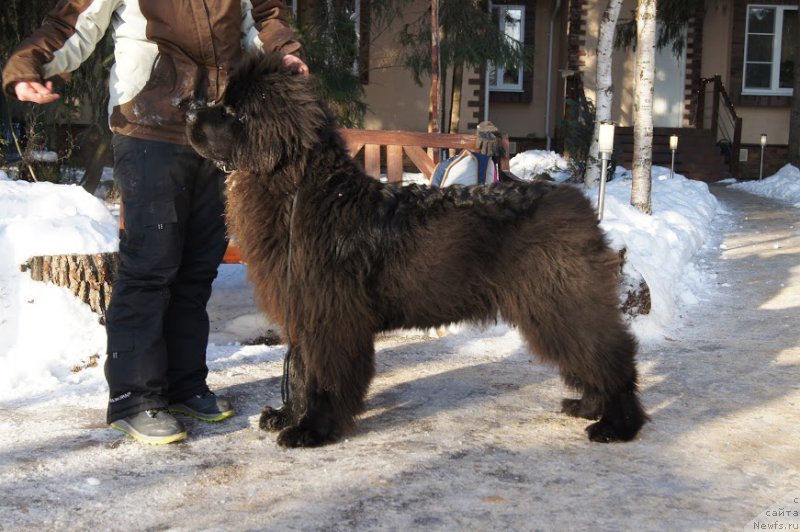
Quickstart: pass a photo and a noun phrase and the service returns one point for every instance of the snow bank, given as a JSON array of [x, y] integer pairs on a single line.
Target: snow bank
[[44, 331], [529, 164], [660, 247], [783, 185]]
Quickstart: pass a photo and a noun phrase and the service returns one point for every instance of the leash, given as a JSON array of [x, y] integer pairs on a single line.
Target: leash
[[285, 388]]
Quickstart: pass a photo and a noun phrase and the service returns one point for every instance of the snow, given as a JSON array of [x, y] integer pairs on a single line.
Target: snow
[[783, 185], [530, 164], [44, 156], [45, 334], [47, 219]]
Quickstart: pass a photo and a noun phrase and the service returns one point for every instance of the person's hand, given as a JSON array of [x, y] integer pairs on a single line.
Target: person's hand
[[292, 60], [32, 91]]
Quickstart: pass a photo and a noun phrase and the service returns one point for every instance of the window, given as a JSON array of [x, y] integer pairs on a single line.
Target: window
[[512, 23], [769, 50]]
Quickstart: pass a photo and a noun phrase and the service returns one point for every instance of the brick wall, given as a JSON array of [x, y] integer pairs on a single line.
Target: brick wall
[[576, 39], [473, 97], [775, 158], [694, 57]]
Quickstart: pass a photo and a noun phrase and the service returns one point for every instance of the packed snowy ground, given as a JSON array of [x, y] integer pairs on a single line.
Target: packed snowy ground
[[731, 406]]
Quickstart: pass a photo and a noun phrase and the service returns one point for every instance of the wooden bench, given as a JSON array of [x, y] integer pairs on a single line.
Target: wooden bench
[[389, 152]]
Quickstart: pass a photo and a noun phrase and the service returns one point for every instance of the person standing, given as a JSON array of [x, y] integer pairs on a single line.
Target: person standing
[[167, 54]]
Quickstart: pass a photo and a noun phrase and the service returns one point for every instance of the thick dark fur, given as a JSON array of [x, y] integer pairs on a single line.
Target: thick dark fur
[[368, 257]]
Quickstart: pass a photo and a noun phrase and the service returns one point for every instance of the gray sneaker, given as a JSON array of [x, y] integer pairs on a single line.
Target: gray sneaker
[[153, 427], [205, 407]]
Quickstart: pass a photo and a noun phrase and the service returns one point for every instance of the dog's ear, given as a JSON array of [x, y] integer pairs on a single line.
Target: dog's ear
[[281, 112]]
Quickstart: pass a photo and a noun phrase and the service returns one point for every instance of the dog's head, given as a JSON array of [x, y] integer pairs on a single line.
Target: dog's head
[[270, 114], [212, 130]]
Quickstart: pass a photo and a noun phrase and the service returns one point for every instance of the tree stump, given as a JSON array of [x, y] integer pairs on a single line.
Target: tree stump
[[635, 292], [88, 277]]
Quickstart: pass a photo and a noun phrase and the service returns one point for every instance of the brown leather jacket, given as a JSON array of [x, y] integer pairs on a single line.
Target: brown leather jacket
[[166, 52]]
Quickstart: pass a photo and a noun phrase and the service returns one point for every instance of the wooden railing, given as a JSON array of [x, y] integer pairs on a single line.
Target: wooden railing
[[723, 121]]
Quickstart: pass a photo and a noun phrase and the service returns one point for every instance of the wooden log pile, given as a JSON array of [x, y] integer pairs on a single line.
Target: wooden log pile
[[88, 277]]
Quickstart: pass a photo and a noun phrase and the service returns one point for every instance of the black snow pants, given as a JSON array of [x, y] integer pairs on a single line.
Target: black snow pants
[[170, 248]]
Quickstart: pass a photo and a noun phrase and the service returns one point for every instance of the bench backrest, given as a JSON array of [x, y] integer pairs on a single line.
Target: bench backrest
[[410, 144]]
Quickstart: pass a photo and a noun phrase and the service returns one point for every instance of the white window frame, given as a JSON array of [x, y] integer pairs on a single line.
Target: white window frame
[[500, 70], [774, 89]]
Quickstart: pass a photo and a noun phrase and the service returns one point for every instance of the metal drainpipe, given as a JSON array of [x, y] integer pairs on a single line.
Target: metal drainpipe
[[550, 73]]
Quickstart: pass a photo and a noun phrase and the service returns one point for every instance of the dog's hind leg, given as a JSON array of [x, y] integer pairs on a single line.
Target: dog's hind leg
[[592, 403], [339, 368], [609, 389], [598, 363], [569, 315]]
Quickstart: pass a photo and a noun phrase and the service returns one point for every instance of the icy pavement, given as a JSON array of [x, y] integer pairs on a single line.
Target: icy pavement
[[462, 432]]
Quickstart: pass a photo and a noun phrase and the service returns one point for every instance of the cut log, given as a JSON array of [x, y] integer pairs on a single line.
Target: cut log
[[88, 277], [635, 296]]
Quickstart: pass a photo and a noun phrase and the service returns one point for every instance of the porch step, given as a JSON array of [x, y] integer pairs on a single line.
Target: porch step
[[697, 157]]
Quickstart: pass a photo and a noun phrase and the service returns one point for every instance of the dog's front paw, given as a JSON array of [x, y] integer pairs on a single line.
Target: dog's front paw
[[303, 436], [605, 431], [273, 420], [602, 432], [581, 408]]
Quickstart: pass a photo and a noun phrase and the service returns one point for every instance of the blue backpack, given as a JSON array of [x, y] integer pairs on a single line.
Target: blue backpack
[[466, 168]]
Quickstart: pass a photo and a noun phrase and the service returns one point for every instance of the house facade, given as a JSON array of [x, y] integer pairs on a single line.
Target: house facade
[[749, 45]]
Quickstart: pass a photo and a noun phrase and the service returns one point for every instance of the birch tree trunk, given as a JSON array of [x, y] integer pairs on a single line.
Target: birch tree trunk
[[605, 89], [643, 105], [455, 97]]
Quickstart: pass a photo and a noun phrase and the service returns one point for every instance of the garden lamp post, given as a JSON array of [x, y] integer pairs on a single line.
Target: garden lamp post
[[673, 146], [763, 145], [605, 145]]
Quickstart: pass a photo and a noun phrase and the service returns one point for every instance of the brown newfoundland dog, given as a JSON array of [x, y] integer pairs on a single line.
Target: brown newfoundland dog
[[336, 256]]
